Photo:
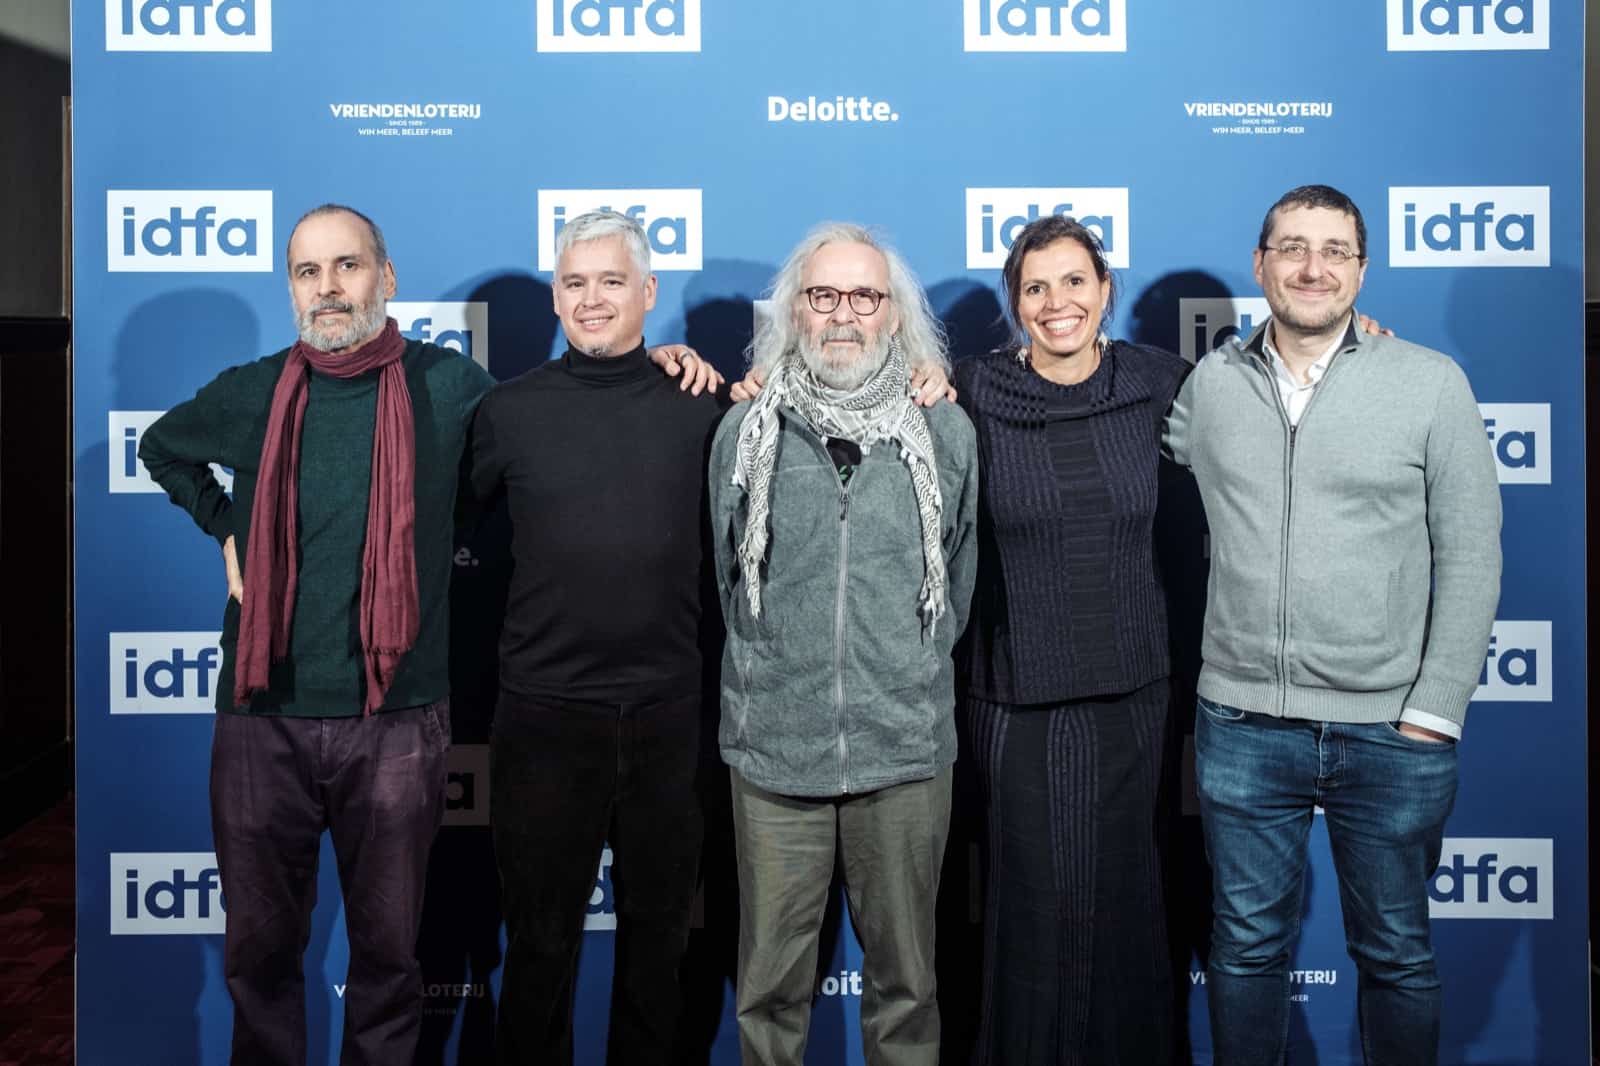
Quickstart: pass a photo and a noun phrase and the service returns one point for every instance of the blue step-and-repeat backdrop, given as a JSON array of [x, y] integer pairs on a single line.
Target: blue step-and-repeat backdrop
[[203, 128]]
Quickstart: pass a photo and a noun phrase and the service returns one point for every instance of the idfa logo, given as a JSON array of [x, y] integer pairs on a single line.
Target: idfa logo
[[1469, 226], [670, 218], [188, 230], [601, 912], [1516, 667], [1487, 877], [164, 673], [466, 785], [1519, 434], [462, 326], [171, 893], [996, 216], [618, 25], [125, 473], [188, 25], [1468, 25], [1207, 322], [1045, 26]]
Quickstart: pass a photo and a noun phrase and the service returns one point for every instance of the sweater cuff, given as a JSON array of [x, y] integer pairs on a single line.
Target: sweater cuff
[[1433, 722], [220, 527], [1440, 699]]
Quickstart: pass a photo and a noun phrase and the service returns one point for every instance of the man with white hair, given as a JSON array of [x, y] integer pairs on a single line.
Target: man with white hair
[[597, 728], [843, 521]]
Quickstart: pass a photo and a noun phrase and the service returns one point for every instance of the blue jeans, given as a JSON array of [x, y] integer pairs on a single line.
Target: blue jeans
[[1385, 797]]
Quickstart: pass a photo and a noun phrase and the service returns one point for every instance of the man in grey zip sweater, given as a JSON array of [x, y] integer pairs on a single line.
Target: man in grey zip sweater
[[1355, 569], [843, 520]]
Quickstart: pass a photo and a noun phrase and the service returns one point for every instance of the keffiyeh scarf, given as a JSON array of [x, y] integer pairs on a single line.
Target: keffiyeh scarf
[[880, 410]]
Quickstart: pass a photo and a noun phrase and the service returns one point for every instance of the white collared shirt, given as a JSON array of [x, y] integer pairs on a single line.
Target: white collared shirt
[[1294, 394]]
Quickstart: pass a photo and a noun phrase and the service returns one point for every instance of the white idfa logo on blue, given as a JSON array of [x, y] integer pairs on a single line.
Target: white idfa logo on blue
[[188, 25], [1516, 666], [670, 218], [1469, 226], [1494, 877], [618, 25], [188, 230], [1519, 436], [164, 673], [1468, 25], [165, 893], [996, 215], [601, 912], [1207, 322], [1045, 25], [463, 326]]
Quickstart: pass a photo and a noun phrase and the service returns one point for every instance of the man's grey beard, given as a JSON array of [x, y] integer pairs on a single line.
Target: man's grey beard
[[598, 351], [365, 321], [843, 378]]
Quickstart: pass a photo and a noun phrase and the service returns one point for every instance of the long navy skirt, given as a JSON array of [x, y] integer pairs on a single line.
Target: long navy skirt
[[1076, 964]]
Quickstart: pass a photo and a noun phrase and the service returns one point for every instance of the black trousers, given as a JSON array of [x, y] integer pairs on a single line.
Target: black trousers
[[1076, 970], [566, 778], [377, 784]]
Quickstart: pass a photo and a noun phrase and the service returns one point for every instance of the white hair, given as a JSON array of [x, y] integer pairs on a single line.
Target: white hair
[[778, 335], [596, 225]]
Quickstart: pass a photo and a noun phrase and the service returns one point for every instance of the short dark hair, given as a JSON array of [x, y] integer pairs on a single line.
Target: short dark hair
[[379, 248], [1041, 233], [1316, 196]]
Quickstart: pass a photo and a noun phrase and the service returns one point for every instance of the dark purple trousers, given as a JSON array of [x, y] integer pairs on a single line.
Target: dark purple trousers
[[377, 784]]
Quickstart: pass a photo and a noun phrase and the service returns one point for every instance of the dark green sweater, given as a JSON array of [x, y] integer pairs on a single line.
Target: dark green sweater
[[226, 423]]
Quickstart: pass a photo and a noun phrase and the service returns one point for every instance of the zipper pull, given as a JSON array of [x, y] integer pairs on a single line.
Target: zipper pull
[[844, 506]]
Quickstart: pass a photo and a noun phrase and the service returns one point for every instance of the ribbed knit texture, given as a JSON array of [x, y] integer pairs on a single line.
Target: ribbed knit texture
[[1067, 604], [1075, 967]]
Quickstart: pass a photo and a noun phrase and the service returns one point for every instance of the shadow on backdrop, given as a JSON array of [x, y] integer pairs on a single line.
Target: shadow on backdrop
[[151, 372], [719, 311], [522, 321], [1182, 550], [1476, 959], [973, 320]]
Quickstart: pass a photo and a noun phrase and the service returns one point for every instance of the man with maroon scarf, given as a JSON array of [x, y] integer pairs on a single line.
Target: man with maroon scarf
[[334, 687]]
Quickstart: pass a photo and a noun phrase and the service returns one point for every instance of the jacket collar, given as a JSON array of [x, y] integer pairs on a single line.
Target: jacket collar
[[1354, 338]]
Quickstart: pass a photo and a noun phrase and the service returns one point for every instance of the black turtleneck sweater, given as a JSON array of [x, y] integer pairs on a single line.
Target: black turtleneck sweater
[[603, 465], [1067, 603]]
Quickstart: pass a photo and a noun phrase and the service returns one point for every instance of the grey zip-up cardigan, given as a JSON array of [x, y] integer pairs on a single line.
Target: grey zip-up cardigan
[[838, 688], [1355, 558]]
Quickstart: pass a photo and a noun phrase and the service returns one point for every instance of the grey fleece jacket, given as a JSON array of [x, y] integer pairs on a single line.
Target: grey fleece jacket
[[838, 688], [1328, 538]]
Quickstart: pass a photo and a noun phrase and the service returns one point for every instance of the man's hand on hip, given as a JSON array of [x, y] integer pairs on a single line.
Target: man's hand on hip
[[230, 566]]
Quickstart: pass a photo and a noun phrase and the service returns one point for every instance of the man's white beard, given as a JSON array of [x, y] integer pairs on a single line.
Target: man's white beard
[[846, 377]]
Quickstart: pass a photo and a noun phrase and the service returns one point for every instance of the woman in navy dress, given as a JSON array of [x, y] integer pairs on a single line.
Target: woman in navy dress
[[1066, 663]]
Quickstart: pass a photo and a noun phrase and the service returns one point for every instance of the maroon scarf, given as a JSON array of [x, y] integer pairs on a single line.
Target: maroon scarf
[[390, 615]]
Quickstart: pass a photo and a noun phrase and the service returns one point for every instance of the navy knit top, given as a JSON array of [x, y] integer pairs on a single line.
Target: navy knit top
[[1067, 603]]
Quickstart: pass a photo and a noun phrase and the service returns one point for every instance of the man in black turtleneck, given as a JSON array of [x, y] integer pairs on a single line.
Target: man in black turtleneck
[[596, 733]]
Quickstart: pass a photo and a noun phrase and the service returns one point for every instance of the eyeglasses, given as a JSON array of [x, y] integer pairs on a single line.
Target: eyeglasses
[[1299, 252], [824, 299]]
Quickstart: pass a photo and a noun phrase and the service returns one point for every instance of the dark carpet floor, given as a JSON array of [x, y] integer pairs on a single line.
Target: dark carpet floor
[[36, 941]]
